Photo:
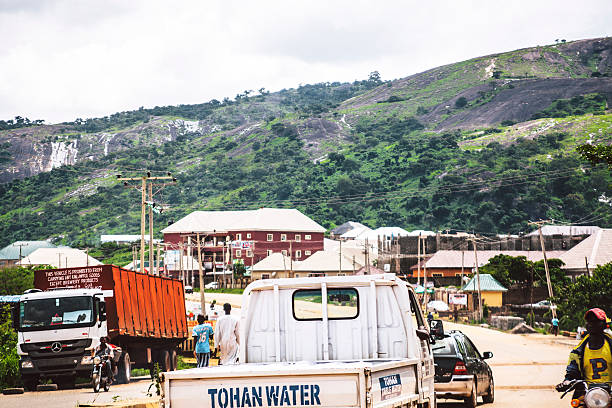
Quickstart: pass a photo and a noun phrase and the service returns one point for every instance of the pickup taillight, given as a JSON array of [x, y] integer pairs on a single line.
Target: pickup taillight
[[460, 368]]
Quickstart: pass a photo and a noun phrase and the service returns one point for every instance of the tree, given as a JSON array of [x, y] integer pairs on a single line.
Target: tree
[[574, 299], [460, 102], [596, 154], [374, 77], [509, 270]]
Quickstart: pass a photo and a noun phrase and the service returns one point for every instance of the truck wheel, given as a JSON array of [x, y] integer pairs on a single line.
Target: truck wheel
[[65, 383], [164, 361], [173, 359], [47, 387], [124, 367], [489, 397], [470, 402], [30, 383]]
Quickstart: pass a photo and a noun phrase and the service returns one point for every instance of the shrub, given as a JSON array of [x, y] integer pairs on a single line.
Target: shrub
[[460, 102]]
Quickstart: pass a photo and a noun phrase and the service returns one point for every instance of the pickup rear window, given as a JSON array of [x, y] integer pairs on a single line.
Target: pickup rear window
[[341, 304]]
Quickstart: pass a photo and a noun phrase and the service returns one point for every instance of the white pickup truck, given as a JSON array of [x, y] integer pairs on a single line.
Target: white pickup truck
[[348, 341]]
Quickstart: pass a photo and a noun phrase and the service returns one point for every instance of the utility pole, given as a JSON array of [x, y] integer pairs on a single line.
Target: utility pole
[[291, 258], [143, 203], [550, 291], [424, 277], [340, 258], [20, 245], [419, 259], [150, 229], [477, 279], [202, 295]]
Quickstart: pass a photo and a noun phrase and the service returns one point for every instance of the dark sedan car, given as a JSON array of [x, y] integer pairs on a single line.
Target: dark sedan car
[[461, 371]]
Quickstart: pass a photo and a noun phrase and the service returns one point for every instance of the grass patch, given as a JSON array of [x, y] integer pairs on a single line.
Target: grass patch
[[235, 291]]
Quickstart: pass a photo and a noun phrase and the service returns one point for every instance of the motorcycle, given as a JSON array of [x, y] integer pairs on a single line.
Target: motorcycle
[[596, 395], [99, 377]]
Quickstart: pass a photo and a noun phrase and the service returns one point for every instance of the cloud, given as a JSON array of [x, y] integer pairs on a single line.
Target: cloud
[[67, 58]]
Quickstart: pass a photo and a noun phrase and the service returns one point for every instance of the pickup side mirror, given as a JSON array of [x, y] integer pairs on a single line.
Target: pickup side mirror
[[422, 334], [486, 355], [102, 311]]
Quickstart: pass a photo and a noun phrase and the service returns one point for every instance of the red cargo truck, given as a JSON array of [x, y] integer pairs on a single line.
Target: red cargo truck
[[60, 323]]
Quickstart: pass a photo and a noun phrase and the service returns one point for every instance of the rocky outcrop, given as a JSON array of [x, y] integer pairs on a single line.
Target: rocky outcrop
[[42, 148]]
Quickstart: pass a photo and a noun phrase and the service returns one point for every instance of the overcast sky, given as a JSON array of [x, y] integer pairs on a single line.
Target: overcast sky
[[65, 59]]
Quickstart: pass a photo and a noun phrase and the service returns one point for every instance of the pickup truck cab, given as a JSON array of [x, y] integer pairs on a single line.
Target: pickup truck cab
[[354, 341]]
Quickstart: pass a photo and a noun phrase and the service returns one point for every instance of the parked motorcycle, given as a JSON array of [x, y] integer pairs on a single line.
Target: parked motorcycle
[[99, 376], [596, 395]]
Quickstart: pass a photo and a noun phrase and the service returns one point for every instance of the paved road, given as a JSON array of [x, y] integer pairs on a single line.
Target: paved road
[[525, 367], [69, 398]]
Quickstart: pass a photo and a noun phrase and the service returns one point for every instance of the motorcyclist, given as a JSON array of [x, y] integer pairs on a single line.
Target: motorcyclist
[[105, 349], [591, 360]]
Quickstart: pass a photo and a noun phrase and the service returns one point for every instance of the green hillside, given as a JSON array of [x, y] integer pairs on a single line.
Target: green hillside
[[483, 145]]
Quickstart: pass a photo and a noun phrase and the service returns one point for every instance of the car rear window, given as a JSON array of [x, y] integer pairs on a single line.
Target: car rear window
[[444, 347]]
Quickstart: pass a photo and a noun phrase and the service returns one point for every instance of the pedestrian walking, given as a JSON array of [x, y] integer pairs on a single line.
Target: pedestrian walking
[[555, 325], [227, 337], [201, 335]]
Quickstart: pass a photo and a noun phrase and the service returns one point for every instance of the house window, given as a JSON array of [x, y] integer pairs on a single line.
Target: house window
[[269, 252], [238, 237], [265, 276], [249, 253], [307, 237], [238, 253], [270, 237], [298, 254], [307, 253], [248, 236], [284, 252], [298, 237], [283, 237]]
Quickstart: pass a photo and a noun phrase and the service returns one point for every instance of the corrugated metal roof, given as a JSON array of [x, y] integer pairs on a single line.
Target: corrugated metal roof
[[59, 258], [263, 219], [346, 227], [27, 247], [596, 250], [275, 262], [487, 284], [326, 261], [566, 230], [452, 259], [355, 232]]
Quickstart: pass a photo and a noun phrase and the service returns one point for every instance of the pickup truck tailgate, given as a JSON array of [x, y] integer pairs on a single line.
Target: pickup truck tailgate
[[303, 384]]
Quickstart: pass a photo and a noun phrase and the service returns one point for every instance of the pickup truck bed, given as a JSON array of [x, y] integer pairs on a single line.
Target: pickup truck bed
[[364, 383]]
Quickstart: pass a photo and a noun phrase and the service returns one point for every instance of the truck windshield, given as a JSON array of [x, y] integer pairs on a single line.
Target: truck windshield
[[52, 313]]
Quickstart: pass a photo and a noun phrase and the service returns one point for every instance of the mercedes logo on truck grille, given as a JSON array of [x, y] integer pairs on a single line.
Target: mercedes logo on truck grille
[[56, 347]]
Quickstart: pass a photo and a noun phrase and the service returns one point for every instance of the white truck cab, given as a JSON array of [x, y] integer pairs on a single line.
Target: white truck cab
[[354, 341], [57, 332]]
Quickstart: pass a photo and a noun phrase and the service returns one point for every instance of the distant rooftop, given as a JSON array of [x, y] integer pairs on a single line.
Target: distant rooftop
[[566, 230], [124, 238], [487, 284], [11, 251], [346, 227], [263, 219]]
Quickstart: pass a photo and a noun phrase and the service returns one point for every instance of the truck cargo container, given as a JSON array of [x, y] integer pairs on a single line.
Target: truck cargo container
[[60, 322]]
